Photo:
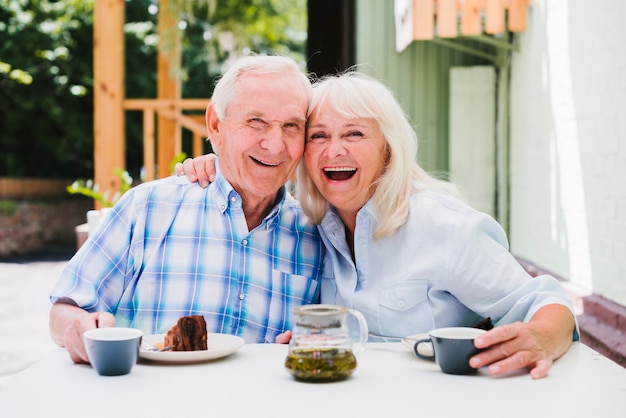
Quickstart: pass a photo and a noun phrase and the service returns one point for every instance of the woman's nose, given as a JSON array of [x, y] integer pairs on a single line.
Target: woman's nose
[[336, 148]]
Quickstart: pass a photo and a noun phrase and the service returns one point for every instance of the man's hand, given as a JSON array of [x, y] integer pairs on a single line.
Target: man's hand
[[200, 169], [533, 345], [68, 323]]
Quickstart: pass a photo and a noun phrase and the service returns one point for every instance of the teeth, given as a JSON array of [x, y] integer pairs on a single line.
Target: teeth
[[265, 162], [339, 173], [340, 169]]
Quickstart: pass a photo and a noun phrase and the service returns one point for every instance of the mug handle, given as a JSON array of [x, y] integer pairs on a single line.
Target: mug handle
[[422, 356], [363, 331]]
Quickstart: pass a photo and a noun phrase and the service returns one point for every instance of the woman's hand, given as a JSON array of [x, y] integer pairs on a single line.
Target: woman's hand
[[533, 345], [283, 338], [200, 169]]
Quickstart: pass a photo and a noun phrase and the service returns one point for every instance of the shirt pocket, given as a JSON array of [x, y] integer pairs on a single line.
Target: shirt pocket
[[403, 309]]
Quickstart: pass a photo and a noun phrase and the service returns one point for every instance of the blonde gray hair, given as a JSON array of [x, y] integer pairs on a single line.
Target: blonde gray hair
[[285, 67]]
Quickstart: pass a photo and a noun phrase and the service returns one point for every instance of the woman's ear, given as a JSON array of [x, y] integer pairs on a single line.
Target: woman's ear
[[213, 126]]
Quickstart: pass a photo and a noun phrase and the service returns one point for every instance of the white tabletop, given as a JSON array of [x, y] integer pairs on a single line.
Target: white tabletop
[[253, 382]]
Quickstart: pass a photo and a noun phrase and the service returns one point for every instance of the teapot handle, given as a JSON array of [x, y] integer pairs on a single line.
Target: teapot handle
[[363, 331]]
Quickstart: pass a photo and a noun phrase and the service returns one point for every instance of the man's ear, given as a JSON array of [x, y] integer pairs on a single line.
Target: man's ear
[[213, 126]]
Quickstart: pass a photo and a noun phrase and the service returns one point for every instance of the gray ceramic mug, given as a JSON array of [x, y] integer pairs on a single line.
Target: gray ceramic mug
[[112, 351], [452, 348]]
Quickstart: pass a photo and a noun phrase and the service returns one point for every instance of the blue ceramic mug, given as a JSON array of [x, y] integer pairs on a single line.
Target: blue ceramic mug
[[452, 348], [112, 351]]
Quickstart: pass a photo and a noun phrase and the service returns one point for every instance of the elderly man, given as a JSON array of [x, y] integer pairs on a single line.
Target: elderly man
[[239, 252]]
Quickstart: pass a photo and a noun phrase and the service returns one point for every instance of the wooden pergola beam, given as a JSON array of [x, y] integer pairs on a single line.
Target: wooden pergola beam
[[168, 68], [108, 57], [110, 103], [171, 104]]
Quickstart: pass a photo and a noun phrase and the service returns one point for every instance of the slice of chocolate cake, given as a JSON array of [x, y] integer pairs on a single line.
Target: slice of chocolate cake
[[189, 334]]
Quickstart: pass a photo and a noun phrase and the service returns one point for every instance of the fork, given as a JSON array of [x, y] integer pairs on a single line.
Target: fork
[[150, 347]]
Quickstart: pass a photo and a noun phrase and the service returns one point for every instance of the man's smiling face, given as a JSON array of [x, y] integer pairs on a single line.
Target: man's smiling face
[[261, 139]]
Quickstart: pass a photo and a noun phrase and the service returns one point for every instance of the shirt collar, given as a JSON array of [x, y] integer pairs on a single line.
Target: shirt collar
[[333, 220], [226, 196]]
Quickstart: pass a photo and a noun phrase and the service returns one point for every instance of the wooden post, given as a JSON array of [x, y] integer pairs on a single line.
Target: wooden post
[[198, 139], [108, 57], [169, 137], [446, 18], [517, 15], [471, 20], [423, 19], [148, 145], [494, 17]]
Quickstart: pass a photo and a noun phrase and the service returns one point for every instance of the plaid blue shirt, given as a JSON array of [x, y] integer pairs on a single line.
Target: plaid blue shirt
[[170, 248]]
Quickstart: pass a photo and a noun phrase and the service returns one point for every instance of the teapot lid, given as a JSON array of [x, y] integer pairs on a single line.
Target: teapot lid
[[320, 310]]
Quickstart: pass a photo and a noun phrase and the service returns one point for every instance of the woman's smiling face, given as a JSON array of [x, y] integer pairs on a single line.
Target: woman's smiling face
[[344, 157]]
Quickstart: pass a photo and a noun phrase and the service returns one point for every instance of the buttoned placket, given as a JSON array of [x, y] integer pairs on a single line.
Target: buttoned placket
[[362, 241]]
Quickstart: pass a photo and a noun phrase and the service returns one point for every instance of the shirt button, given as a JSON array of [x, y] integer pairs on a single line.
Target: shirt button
[[244, 242], [222, 207], [401, 303], [241, 296], [233, 199]]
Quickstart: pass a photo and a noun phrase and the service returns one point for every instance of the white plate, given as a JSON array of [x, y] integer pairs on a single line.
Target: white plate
[[425, 349], [219, 345]]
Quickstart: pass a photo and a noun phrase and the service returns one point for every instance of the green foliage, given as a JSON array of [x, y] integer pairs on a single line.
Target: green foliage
[[8, 207], [45, 94], [89, 189], [46, 126], [217, 30], [46, 71], [177, 159]]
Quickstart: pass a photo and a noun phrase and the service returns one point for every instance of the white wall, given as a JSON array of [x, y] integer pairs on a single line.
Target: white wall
[[568, 143]]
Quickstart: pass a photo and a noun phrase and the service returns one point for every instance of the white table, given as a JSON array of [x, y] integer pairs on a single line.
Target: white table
[[389, 381]]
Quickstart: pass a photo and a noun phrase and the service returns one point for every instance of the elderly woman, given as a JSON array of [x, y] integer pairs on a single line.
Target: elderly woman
[[403, 248]]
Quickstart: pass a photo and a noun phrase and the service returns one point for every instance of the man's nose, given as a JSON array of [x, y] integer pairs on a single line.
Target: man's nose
[[274, 140]]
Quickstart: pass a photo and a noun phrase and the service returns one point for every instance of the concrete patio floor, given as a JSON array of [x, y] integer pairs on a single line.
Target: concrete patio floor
[[25, 283]]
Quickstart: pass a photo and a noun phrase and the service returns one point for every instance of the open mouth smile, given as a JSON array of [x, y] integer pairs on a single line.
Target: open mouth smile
[[339, 173]]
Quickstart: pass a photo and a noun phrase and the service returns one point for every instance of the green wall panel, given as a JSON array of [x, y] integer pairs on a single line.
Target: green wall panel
[[419, 76]]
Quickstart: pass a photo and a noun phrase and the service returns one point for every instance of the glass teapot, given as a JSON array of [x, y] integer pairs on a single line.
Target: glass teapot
[[321, 347]]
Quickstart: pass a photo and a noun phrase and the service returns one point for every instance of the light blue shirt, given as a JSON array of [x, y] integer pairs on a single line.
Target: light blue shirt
[[448, 265], [170, 248]]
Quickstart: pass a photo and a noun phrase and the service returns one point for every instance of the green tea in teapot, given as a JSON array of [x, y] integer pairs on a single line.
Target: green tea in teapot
[[321, 347], [320, 364]]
